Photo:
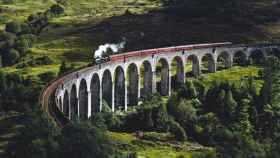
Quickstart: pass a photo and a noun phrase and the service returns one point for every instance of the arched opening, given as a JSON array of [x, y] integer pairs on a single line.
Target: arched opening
[[132, 79], [83, 100], [274, 52], [146, 74], [107, 89], [192, 66], [177, 72], [256, 57], [119, 85], [223, 61], [73, 103], [208, 64], [239, 59], [66, 104], [95, 94], [162, 72]]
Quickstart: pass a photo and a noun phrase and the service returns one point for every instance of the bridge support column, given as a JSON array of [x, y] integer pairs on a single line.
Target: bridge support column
[[100, 98], [78, 104], [196, 71], [125, 95], [212, 67], [113, 98], [69, 106], [169, 82], [229, 61], [89, 104], [139, 88], [154, 82]]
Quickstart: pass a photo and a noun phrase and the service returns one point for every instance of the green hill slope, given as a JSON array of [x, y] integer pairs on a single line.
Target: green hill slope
[[144, 23]]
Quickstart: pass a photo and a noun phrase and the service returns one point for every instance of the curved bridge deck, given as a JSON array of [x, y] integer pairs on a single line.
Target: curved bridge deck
[[127, 78]]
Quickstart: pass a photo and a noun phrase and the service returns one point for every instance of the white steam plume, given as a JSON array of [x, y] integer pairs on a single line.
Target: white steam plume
[[114, 47]]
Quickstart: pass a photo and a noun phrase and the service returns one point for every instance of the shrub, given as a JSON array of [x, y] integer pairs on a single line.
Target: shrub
[[13, 56], [13, 27], [36, 139], [47, 76], [22, 45], [177, 130], [82, 139], [56, 9], [205, 154]]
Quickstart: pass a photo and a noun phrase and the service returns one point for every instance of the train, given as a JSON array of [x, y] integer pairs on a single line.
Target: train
[[123, 56]]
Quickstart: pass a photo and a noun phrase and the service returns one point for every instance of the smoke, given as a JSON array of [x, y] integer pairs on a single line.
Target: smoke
[[114, 47]]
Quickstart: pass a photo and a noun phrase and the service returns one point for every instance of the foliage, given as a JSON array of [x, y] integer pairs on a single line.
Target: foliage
[[36, 138], [17, 93], [64, 67], [56, 9], [47, 76], [82, 139]]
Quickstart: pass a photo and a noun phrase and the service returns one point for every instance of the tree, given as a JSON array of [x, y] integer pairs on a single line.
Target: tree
[[36, 139], [230, 106], [13, 27], [13, 56], [22, 45], [82, 139], [243, 123], [269, 107], [56, 9]]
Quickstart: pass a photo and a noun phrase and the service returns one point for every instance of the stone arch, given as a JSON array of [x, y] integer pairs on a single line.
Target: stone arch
[[146, 74], [95, 93], [73, 102], [119, 87], [208, 63], [162, 72], [132, 86], [224, 60], [194, 65], [66, 103], [239, 58], [177, 72], [257, 57], [107, 87], [83, 100]]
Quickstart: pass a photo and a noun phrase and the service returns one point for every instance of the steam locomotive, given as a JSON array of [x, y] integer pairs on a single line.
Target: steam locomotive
[[123, 56]]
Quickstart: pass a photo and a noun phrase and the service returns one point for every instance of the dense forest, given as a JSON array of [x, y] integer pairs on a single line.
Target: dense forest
[[207, 117]]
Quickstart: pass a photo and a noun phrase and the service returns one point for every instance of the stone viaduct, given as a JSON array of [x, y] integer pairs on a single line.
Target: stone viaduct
[[127, 78]]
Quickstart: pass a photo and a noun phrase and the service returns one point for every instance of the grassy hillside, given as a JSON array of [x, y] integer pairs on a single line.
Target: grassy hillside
[[144, 23]]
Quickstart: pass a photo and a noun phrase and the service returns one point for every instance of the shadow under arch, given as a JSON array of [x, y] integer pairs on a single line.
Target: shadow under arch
[[274, 52], [95, 94], [192, 66], [208, 64], [177, 72], [162, 72], [83, 100], [256, 57], [66, 103], [132, 84], [119, 87], [224, 61], [239, 59], [107, 89], [73, 102], [146, 77]]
